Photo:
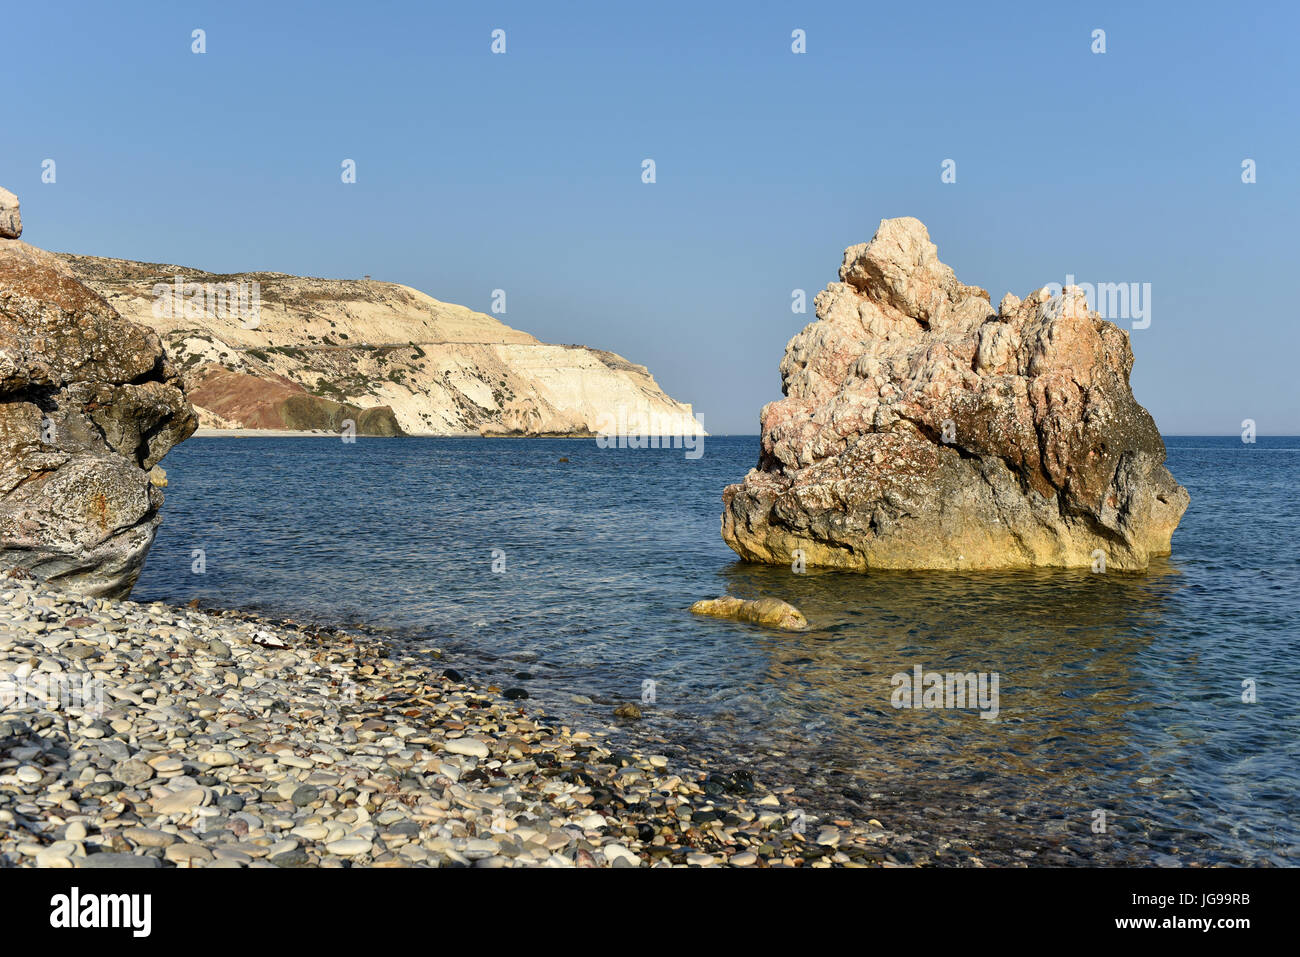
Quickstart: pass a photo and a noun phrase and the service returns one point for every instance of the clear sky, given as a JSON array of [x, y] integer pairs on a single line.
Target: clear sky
[[523, 171]]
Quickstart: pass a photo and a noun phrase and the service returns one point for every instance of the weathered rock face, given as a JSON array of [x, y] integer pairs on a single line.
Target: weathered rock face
[[88, 406], [922, 428]]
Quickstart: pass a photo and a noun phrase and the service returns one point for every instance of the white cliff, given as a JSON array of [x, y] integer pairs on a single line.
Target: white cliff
[[317, 350]]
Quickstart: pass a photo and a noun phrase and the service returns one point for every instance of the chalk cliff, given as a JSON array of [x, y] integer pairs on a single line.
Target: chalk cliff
[[388, 356]]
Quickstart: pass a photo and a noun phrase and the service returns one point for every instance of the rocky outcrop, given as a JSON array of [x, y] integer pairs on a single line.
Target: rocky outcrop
[[923, 428], [771, 612], [11, 222], [433, 368], [88, 406]]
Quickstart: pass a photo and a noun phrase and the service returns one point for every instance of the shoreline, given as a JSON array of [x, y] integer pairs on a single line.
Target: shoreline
[[210, 745], [208, 432]]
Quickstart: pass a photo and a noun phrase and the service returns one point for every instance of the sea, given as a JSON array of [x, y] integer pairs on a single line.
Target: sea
[[1148, 719]]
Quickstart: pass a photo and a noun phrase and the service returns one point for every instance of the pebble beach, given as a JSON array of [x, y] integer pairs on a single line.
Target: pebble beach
[[136, 735]]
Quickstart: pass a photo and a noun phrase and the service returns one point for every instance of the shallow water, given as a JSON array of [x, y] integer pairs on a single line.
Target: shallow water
[[1117, 693]]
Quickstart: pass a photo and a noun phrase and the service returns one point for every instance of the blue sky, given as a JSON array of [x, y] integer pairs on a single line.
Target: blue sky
[[522, 171]]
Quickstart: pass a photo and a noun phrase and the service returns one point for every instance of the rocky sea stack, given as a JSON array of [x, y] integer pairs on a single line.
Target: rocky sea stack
[[88, 406], [923, 428]]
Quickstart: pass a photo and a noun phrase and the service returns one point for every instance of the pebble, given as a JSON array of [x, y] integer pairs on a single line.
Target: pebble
[[295, 858], [349, 847], [479, 849], [117, 861], [232, 854], [187, 854], [225, 741], [219, 759], [470, 747], [614, 852], [830, 837], [132, 773], [177, 802], [148, 837], [57, 854]]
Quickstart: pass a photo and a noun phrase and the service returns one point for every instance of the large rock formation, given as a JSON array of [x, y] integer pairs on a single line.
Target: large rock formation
[[88, 406], [922, 428], [318, 350]]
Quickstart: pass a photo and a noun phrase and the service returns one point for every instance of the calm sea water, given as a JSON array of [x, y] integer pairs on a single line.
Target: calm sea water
[[1119, 694]]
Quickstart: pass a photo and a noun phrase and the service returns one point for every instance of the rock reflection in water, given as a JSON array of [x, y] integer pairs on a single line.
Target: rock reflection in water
[[1073, 735]]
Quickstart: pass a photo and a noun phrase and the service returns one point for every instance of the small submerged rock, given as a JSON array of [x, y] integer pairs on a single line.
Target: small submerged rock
[[771, 612]]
